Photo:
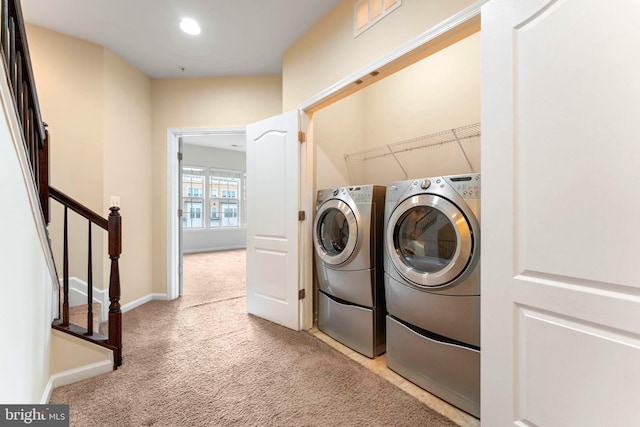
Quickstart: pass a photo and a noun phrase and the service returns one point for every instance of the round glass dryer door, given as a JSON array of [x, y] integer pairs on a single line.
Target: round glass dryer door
[[335, 232], [429, 240]]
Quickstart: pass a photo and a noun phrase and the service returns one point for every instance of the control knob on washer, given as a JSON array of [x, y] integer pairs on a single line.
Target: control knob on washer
[[425, 184]]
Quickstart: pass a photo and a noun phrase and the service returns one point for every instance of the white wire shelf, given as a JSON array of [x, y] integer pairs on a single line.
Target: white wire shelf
[[462, 139]]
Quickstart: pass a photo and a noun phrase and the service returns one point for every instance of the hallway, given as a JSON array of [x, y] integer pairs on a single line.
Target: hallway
[[202, 361]]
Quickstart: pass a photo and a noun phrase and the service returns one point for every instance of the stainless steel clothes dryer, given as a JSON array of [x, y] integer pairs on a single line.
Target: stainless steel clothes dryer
[[348, 245], [432, 285]]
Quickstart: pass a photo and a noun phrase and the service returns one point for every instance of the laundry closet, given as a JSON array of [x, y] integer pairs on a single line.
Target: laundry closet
[[553, 294], [415, 134]]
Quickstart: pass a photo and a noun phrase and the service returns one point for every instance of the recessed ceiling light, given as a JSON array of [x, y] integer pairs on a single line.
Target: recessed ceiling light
[[190, 26]]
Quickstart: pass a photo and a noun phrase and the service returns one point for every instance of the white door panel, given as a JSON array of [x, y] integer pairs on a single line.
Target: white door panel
[[558, 383], [273, 265], [272, 224], [560, 159], [567, 121], [271, 176]]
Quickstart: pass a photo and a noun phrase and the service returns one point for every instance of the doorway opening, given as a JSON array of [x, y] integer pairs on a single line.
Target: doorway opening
[[214, 276], [206, 173]]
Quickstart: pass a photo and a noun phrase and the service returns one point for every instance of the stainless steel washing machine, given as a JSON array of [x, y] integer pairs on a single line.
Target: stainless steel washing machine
[[432, 285], [348, 231]]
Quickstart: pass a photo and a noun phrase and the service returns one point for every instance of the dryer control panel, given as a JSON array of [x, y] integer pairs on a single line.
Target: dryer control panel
[[468, 186]]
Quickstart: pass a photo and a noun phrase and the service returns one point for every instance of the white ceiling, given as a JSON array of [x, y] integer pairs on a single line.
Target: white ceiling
[[239, 37], [231, 141]]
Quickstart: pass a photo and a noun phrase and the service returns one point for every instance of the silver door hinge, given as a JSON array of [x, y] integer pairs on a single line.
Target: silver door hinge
[[301, 294], [179, 155], [302, 215], [179, 213], [302, 137]]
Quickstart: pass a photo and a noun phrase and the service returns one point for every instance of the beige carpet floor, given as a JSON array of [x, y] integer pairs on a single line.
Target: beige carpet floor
[[201, 360]]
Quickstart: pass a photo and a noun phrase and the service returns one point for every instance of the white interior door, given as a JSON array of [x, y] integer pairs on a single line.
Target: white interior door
[[560, 167], [273, 200]]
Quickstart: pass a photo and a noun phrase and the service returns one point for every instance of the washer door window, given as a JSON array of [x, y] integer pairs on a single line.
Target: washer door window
[[336, 232], [429, 240]]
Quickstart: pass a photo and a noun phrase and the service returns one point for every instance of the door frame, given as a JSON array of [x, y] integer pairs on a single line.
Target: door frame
[[458, 27], [174, 251]]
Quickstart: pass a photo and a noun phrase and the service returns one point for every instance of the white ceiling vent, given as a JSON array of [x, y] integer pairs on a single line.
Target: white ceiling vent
[[368, 12]]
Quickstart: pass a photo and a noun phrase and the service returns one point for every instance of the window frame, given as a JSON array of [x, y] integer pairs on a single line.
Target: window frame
[[227, 205], [362, 7], [191, 215], [214, 198]]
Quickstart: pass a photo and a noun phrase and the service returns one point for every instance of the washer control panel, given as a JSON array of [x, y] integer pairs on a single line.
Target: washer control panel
[[361, 193]]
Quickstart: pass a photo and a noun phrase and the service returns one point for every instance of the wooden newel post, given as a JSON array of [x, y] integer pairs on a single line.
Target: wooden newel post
[[115, 314]]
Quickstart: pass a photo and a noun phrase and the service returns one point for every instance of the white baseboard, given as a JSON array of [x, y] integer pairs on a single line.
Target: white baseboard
[[78, 293], [145, 299], [75, 375], [216, 249], [46, 395]]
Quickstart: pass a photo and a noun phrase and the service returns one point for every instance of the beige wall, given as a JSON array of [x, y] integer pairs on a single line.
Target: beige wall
[[192, 103], [69, 80], [98, 109], [69, 353], [116, 141], [127, 168], [68, 75], [74, 76], [439, 93], [328, 52], [337, 130]]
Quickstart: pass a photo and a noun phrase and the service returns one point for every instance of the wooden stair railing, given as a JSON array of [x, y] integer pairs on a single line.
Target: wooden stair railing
[[17, 62], [113, 227]]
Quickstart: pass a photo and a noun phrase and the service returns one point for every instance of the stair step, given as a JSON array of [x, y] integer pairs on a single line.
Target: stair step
[[79, 331]]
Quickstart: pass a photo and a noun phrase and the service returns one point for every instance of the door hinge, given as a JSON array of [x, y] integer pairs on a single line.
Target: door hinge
[[179, 155], [301, 294], [179, 213], [302, 215], [302, 137]]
